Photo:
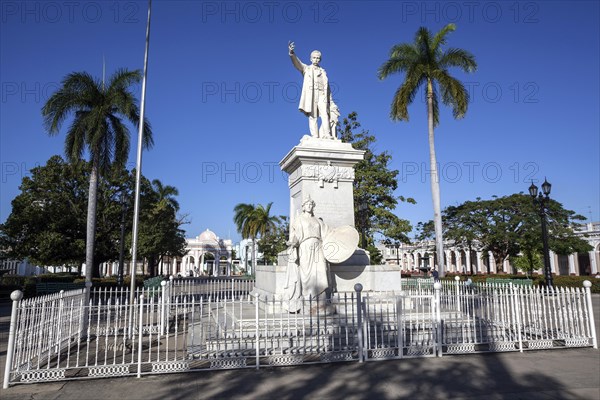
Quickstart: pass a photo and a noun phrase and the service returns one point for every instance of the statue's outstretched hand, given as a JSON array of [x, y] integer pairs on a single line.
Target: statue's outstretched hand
[[291, 47]]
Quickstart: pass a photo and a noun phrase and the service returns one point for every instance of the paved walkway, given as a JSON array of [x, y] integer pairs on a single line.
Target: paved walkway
[[550, 374]]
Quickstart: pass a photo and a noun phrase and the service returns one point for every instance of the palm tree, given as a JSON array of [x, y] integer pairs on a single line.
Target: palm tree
[[97, 128], [166, 194], [426, 64], [252, 221]]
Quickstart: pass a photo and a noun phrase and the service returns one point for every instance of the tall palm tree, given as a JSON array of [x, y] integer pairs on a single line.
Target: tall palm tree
[[426, 64], [252, 221], [97, 128], [166, 194]]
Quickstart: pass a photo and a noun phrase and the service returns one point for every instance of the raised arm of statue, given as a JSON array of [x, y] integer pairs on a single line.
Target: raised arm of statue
[[295, 60]]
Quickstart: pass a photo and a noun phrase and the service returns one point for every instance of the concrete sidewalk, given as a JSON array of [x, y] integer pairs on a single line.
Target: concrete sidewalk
[[549, 374]]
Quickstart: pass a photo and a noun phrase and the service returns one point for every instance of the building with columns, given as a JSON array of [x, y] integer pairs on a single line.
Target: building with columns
[[421, 256], [207, 254]]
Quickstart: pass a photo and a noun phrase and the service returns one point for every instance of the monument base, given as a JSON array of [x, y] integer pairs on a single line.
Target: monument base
[[271, 280]]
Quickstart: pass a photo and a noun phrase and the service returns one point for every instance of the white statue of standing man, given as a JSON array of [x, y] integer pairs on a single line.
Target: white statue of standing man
[[316, 100]]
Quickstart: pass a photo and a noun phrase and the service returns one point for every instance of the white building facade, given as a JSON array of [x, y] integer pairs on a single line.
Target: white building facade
[[206, 255], [421, 256]]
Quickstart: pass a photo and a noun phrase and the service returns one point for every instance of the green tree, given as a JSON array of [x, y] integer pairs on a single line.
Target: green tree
[[48, 218], [374, 186], [160, 235], [528, 261], [509, 226], [47, 224], [166, 194], [274, 241], [425, 63], [44, 224], [461, 225], [97, 127], [254, 221]]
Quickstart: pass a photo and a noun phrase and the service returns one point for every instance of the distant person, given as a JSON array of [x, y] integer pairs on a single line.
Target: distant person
[[436, 276]]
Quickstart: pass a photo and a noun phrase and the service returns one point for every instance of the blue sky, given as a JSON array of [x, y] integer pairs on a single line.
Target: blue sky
[[222, 94]]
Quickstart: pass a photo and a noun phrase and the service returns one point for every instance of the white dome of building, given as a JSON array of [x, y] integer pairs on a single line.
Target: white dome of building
[[208, 236]]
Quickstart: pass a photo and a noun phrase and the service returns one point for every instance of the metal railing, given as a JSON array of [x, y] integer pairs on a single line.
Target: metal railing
[[216, 326]]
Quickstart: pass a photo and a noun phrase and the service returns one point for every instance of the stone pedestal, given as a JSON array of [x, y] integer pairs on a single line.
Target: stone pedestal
[[270, 279], [323, 169]]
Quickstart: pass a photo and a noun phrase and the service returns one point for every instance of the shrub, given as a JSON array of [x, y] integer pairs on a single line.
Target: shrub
[[13, 280], [10, 283], [111, 281], [564, 281], [60, 277]]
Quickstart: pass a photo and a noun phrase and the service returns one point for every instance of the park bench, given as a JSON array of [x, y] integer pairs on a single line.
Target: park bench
[[153, 284], [417, 282]]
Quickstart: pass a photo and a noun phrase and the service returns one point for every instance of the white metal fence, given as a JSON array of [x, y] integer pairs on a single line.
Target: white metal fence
[[182, 327]]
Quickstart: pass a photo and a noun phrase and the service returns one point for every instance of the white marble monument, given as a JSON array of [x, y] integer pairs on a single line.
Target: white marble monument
[[323, 256]]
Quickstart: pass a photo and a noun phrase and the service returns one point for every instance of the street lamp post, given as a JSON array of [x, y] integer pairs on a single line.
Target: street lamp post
[[541, 201], [397, 246]]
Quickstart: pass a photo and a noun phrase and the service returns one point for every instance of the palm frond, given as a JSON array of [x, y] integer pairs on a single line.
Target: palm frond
[[440, 38], [123, 79], [458, 58], [453, 94], [402, 56], [406, 94], [69, 98], [75, 138], [121, 139]]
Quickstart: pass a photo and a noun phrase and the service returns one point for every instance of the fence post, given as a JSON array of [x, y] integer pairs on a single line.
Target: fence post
[[61, 303], [517, 311], [86, 309], [256, 333], [140, 335], [588, 296], [437, 286], [358, 288], [16, 297], [163, 302], [457, 280]]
